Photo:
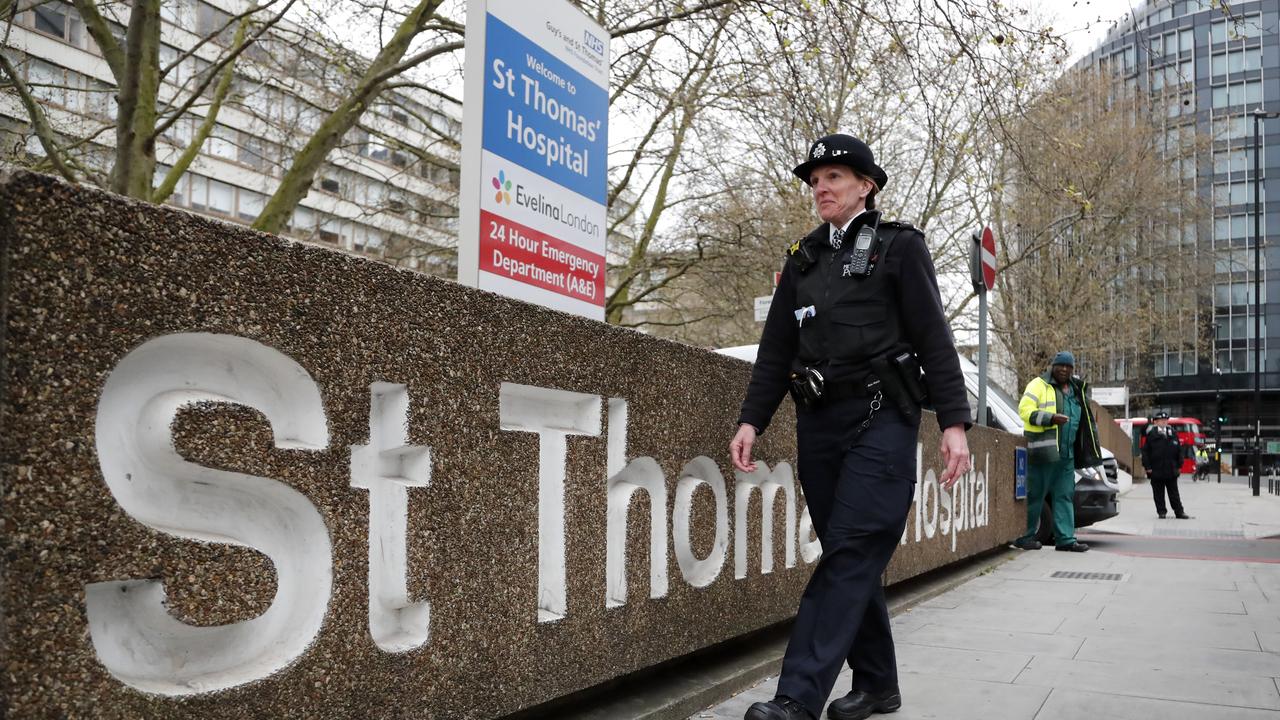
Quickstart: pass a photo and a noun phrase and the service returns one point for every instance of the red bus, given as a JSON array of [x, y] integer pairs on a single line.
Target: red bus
[[1188, 429]]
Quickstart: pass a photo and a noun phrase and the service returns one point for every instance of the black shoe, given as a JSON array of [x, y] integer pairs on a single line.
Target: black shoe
[[1073, 547], [779, 708], [860, 704], [1161, 516], [1183, 516], [1027, 544]]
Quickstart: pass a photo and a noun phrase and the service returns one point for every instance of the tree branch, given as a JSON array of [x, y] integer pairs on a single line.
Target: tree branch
[[39, 123]]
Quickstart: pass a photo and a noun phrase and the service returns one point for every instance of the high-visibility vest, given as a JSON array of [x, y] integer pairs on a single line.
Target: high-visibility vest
[[1037, 407]]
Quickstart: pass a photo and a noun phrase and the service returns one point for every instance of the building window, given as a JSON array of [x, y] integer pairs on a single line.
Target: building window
[[331, 230], [199, 193], [1236, 262], [1233, 161], [1235, 294], [1238, 93], [330, 185], [250, 205], [1180, 74], [252, 152], [58, 19], [210, 20], [1238, 234], [1236, 61], [1232, 128], [1247, 26], [1236, 193], [46, 82], [222, 143], [222, 197], [304, 221]]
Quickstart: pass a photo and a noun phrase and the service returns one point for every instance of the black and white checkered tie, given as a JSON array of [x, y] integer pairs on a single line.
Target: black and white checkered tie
[[837, 239]]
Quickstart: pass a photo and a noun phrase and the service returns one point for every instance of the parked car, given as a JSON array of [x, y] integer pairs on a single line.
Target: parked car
[[1098, 490]]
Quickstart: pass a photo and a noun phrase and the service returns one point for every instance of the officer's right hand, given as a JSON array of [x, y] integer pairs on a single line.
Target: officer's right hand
[[740, 448], [1061, 419]]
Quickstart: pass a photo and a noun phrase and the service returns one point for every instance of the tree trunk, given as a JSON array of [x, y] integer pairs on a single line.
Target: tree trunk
[[135, 147]]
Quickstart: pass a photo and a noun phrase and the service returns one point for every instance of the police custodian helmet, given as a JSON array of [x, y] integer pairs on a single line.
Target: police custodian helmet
[[843, 150]]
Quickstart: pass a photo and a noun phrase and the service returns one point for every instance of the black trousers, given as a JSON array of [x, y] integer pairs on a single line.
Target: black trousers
[[1159, 486], [858, 494]]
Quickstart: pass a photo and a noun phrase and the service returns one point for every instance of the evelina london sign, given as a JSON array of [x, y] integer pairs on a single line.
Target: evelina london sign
[[145, 647]]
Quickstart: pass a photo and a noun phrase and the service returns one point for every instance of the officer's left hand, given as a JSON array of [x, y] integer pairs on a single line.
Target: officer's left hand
[[955, 453]]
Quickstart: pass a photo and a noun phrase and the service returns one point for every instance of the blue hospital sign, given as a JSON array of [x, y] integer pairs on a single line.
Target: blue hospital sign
[[534, 155], [1020, 473]]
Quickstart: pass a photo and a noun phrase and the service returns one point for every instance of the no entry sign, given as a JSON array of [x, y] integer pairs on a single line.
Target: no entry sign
[[982, 260]]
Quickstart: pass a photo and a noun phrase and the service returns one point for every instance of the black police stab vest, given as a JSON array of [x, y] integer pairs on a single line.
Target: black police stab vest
[[857, 318]]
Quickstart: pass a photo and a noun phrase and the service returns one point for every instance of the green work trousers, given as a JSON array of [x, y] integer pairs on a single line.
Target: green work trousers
[[1057, 482]]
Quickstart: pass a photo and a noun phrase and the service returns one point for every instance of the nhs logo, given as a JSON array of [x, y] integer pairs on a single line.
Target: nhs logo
[[593, 43]]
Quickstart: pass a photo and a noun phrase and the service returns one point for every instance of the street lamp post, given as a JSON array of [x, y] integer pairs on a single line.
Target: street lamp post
[[1258, 116], [1217, 407]]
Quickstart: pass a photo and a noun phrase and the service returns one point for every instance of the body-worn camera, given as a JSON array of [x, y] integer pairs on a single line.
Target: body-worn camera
[[807, 385]]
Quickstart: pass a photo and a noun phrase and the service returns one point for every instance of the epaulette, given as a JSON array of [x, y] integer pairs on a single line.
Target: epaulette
[[801, 255], [898, 225]]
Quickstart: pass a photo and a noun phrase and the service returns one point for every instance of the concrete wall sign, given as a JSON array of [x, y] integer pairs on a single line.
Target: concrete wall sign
[[246, 477]]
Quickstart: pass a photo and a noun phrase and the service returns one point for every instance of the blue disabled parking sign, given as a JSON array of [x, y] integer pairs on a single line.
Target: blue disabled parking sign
[[1020, 473]]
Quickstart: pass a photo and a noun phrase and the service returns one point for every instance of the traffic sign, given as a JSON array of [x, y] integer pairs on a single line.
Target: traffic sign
[[987, 256], [982, 260], [762, 307], [1111, 395]]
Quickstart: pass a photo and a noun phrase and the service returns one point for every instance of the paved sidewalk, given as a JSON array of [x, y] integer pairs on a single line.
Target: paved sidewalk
[[1183, 623]]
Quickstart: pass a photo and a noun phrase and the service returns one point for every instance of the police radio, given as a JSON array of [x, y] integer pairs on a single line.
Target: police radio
[[866, 249]]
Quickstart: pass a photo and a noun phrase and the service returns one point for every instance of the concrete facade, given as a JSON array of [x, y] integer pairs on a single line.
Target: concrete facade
[[1208, 66]]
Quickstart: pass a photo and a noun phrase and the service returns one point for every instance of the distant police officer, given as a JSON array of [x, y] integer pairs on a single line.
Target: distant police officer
[[1162, 459], [855, 317]]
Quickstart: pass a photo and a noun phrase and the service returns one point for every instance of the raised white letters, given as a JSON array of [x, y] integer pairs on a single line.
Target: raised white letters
[[769, 483], [624, 480], [810, 550], [948, 512], [553, 415], [387, 467], [146, 648], [136, 639], [701, 470]]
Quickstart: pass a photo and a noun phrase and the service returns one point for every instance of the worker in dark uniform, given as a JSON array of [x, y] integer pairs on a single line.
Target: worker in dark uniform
[[856, 316], [1162, 459]]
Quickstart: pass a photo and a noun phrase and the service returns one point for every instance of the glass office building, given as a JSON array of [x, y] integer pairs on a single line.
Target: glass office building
[[1207, 68]]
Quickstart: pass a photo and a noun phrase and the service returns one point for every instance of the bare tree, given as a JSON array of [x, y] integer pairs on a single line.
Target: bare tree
[[909, 78], [1101, 254], [302, 86]]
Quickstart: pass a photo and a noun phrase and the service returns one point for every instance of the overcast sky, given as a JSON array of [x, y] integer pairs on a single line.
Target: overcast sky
[[1084, 23]]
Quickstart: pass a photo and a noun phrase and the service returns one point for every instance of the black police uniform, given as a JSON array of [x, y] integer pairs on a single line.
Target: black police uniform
[[1162, 459], [858, 482]]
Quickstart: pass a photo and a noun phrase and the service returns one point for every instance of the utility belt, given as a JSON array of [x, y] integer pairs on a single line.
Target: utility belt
[[896, 377]]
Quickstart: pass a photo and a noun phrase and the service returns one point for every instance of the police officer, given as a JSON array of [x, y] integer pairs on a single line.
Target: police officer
[[855, 317], [1162, 459]]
